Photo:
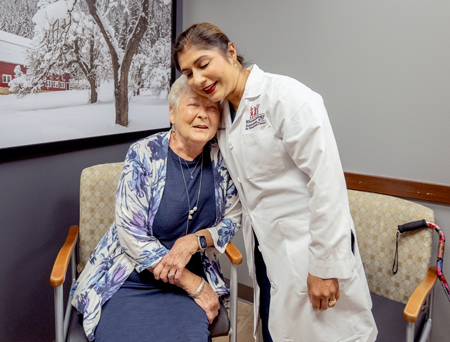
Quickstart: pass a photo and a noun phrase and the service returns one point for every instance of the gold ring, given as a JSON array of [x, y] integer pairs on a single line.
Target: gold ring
[[332, 302]]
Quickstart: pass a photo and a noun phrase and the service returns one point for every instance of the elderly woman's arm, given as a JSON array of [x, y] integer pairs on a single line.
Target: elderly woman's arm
[[135, 209], [179, 255]]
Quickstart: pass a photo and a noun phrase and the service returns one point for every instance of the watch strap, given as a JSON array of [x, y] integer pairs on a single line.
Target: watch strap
[[199, 237]]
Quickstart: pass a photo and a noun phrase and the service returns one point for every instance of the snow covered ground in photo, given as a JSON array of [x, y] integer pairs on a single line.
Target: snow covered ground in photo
[[66, 115]]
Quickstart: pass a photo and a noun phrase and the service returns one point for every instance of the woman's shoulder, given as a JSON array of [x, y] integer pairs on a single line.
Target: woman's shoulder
[[281, 89], [283, 83], [266, 83], [154, 139], [155, 145]]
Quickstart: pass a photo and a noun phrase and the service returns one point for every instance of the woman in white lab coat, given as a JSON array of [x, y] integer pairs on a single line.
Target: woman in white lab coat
[[276, 139]]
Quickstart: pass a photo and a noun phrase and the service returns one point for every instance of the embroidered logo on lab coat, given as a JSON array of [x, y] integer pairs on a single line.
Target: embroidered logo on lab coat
[[256, 118]]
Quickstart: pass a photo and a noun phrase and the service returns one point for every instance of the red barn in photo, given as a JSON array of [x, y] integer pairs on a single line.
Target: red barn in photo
[[13, 51]]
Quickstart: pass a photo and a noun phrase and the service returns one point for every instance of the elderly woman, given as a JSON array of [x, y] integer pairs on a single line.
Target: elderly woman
[[155, 276]]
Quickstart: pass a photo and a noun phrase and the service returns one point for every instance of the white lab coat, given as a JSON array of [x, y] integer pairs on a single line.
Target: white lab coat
[[282, 155]]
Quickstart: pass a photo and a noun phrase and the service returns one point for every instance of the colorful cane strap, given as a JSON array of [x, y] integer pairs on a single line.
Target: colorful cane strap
[[440, 257]]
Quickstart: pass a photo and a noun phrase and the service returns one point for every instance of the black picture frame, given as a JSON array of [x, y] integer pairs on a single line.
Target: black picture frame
[[13, 153]]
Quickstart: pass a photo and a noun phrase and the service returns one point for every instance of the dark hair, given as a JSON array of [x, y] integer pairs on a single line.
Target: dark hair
[[202, 36]]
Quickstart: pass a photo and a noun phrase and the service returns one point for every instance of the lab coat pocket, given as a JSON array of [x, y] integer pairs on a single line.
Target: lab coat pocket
[[296, 239], [261, 153]]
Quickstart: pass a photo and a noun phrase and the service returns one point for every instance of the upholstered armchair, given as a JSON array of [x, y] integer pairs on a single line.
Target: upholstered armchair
[[402, 302], [97, 195]]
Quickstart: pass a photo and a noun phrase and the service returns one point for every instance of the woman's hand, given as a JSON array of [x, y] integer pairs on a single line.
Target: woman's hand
[[208, 300], [175, 261], [323, 293]]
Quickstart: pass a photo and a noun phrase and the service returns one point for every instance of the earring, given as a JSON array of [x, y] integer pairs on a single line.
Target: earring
[[173, 128], [235, 64]]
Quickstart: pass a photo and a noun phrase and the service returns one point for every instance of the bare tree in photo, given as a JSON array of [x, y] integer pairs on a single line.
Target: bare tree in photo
[[64, 36], [121, 59], [150, 69], [86, 51], [44, 56]]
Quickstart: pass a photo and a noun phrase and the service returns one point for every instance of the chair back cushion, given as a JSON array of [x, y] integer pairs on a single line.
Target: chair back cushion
[[97, 194], [376, 218]]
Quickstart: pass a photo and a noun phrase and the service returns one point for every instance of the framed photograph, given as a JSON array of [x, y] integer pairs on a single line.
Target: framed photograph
[[84, 69]]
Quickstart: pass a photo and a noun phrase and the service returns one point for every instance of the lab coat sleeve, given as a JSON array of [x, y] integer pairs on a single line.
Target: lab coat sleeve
[[134, 211], [230, 210], [301, 120]]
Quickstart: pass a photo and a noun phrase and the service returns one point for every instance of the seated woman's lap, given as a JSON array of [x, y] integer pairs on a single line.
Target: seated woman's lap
[[137, 312]]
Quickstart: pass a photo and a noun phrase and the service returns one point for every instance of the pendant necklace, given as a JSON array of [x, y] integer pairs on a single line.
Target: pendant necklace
[[194, 209], [192, 173]]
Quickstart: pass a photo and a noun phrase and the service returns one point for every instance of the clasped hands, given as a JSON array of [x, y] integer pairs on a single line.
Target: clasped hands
[[171, 269], [176, 259], [323, 293]]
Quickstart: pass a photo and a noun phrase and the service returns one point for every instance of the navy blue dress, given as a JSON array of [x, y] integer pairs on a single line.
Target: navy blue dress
[[146, 309]]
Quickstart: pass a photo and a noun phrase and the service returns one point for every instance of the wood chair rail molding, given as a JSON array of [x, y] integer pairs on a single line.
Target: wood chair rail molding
[[413, 190]]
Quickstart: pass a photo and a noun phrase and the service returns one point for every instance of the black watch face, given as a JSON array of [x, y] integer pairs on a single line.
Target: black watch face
[[203, 243]]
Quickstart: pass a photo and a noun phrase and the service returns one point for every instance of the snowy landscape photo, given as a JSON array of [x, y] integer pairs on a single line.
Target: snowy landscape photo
[[74, 69]]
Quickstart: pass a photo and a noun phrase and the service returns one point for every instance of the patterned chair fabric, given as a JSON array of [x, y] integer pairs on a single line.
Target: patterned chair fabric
[[97, 194], [376, 218]]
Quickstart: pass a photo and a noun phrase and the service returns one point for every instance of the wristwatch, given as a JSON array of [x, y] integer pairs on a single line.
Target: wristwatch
[[202, 244]]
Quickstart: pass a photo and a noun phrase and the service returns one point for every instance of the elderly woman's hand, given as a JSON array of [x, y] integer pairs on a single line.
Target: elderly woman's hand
[[175, 261], [208, 300]]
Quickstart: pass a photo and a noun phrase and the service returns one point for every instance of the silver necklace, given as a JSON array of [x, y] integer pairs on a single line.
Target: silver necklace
[[192, 173], [195, 208]]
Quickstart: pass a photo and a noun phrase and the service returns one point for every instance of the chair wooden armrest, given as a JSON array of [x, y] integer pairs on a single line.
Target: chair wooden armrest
[[415, 302], [233, 254], [62, 260]]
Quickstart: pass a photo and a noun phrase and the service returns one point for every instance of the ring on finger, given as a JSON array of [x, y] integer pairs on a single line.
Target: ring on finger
[[170, 275], [332, 303]]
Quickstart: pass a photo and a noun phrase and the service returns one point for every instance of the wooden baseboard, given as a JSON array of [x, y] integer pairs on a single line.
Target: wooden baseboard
[[244, 292]]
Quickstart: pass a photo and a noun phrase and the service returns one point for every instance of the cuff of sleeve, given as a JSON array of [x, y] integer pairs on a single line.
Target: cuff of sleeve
[[150, 262], [341, 269], [215, 237]]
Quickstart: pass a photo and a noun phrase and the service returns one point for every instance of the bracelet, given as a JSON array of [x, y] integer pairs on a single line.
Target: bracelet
[[200, 288]]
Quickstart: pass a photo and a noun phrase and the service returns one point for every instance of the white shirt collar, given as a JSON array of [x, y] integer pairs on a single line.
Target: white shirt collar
[[254, 85]]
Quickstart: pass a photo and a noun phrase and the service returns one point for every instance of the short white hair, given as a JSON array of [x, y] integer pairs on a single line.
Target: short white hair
[[179, 88]]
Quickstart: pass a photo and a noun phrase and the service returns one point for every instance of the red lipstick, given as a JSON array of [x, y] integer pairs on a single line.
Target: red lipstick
[[210, 89]]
